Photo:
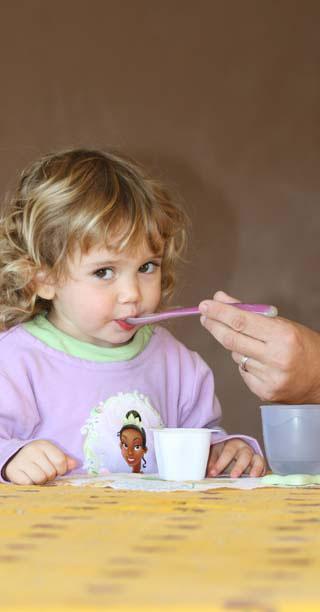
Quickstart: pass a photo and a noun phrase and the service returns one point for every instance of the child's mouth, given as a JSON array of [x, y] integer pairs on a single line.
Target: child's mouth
[[124, 325]]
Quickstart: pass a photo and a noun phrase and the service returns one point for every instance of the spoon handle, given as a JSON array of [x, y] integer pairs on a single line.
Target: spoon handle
[[263, 309]]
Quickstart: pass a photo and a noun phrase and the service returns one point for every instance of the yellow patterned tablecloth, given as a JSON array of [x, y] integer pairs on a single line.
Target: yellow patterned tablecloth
[[86, 549]]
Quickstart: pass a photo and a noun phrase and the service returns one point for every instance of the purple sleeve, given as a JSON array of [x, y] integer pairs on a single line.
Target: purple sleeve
[[203, 408], [18, 418], [199, 406]]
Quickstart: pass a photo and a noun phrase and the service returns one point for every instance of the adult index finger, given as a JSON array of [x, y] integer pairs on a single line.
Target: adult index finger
[[256, 326], [236, 342]]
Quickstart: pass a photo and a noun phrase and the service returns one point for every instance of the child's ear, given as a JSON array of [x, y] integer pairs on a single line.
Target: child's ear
[[45, 287]]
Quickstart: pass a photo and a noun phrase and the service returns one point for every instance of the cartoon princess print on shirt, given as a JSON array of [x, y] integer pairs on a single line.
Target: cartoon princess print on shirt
[[133, 441], [108, 421]]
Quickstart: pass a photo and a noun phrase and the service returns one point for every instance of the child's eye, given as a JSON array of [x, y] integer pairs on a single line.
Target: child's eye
[[104, 273], [124, 445], [137, 447], [149, 267]]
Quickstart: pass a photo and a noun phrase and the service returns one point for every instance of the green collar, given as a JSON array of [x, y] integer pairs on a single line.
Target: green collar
[[45, 331]]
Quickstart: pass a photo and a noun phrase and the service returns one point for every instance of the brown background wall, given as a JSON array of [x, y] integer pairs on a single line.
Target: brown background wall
[[218, 98]]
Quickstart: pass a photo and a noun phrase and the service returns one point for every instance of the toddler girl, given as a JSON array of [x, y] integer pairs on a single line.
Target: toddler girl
[[87, 241]]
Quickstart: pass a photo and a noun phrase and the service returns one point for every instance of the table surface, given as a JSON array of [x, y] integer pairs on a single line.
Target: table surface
[[67, 548]]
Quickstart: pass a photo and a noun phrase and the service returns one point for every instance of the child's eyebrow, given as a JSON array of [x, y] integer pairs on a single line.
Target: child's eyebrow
[[102, 264], [155, 255], [110, 262]]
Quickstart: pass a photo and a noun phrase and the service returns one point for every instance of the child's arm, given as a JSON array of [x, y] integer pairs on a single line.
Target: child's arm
[[237, 455], [201, 408], [19, 416], [19, 420], [37, 463]]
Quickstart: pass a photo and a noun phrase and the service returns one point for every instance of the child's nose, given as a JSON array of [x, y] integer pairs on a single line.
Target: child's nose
[[129, 291]]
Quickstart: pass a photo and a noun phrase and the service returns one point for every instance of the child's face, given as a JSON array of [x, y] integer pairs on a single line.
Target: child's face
[[104, 288]]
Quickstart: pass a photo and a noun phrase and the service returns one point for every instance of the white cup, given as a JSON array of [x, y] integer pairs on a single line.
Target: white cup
[[182, 454]]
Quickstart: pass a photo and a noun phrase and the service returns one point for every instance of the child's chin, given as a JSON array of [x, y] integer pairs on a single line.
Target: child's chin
[[127, 337]]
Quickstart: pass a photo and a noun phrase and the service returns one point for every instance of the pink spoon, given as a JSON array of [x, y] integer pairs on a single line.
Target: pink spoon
[[263, 309]]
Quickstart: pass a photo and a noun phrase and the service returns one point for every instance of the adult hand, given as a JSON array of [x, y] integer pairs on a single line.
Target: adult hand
[[283, 357], [37, 463]]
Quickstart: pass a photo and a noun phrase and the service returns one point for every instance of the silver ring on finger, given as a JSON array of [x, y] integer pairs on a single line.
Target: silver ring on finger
[[243, 363]]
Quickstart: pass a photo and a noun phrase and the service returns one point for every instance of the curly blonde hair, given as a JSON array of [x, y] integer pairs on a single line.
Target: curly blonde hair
[[81, 198]]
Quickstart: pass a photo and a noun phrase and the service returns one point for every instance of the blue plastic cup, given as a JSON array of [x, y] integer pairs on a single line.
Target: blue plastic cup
[[291, 436]]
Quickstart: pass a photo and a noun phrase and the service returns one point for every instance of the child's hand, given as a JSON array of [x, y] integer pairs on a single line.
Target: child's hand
[[38, 462], [239, 453]]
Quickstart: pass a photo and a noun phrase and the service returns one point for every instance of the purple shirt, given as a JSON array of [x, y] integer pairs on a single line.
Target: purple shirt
[[48, 394]]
